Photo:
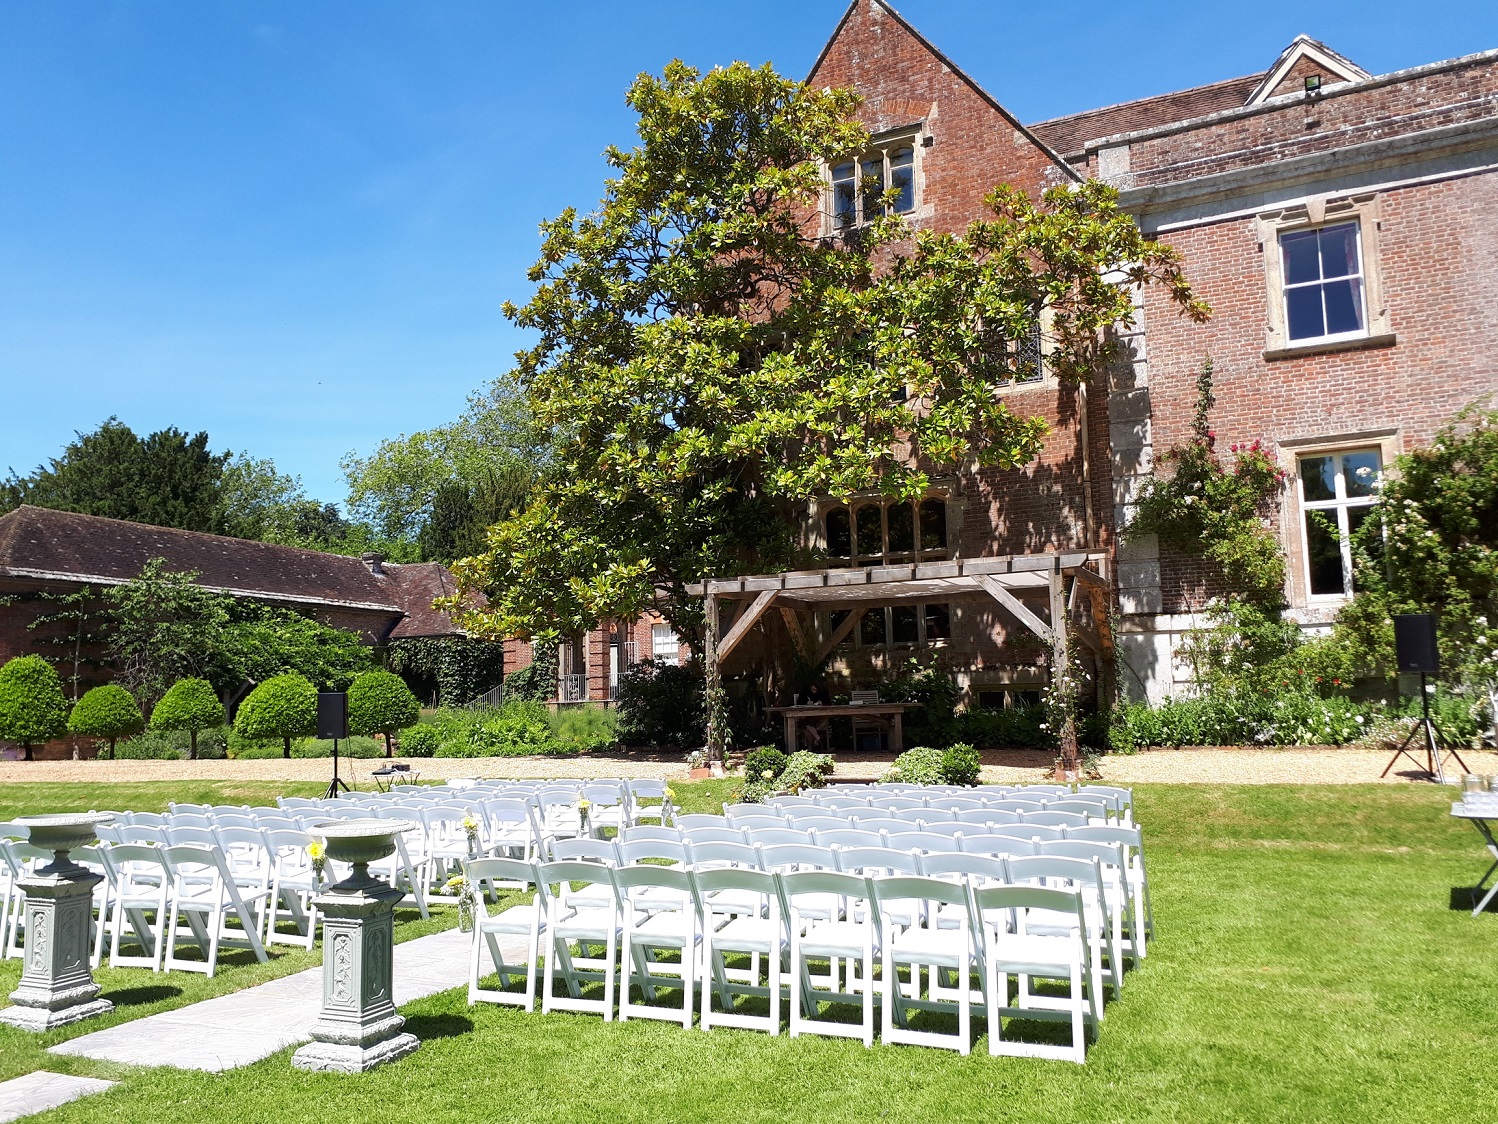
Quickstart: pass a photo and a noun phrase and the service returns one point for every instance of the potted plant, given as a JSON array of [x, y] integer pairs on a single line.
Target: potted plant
[[697, 766]]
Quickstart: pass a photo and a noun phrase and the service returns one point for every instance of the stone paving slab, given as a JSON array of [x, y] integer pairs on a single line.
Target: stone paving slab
[[237, 1029], [40, 1091]]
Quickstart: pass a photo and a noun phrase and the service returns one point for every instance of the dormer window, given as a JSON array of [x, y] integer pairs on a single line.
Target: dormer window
[[859, 188]]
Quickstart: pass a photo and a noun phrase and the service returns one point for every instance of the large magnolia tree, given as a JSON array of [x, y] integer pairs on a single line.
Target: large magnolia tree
[[708, 360]]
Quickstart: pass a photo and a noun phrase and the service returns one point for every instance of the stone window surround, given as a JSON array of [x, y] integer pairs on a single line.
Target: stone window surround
[[948, 490], [1362, 208], [918, 136], [1389, 445]]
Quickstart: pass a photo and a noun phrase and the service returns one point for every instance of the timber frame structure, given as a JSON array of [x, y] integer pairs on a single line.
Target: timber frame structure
[[1059, 596]]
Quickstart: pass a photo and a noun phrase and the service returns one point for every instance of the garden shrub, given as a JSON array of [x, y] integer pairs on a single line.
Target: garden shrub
[[588, 728], [536, 682], [517, 729], [1293, 716], [32, 706], [764, 764], [661, 704], [1020, 727], [308, 748], [420, 740], [284, 706], [960, 765], [189, 705], [174, 745], [804, 769], [935, 690], [921, 765], [108, 712], [380, 703]]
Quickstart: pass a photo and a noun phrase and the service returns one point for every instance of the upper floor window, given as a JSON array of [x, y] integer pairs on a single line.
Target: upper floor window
[[664, 644], [860, 187], [1337, 492], [1323, 278], [876, 533]]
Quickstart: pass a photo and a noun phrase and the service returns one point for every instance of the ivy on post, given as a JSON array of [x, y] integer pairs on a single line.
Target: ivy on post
[[713, 695], [1065, 687]]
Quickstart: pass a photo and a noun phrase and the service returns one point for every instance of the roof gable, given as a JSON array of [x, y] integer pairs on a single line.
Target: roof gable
[[1303, 58]]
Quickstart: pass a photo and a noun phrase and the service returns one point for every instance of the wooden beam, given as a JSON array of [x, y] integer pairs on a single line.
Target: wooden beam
[[1060, 660], [745, 622], [839, 634], [1091, 580], [798, 634], [1017, 607]]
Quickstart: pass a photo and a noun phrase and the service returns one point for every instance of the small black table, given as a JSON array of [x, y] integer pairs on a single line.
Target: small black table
[[1482, 820]]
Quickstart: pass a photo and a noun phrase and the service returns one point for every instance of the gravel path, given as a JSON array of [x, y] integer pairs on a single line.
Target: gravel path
[[1177, 766]]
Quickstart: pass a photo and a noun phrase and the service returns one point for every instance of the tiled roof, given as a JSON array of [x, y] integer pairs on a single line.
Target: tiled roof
[[1069, 135], [40, 543]]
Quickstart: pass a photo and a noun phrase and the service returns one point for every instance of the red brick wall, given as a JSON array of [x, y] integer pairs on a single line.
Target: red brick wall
[[1438, 254]]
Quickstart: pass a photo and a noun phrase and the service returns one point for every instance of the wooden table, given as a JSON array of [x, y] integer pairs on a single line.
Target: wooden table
[[795, 715]]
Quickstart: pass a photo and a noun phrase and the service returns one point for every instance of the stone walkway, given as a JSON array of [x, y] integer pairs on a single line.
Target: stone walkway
[[40, 1091], [245, 1026]]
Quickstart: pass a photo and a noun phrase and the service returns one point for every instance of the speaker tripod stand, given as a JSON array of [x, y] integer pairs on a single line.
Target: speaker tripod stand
[[335, 784], [1433, 753]]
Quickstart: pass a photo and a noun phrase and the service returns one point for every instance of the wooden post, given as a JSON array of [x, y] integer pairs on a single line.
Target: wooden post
[[712, 693], [1060, 668]]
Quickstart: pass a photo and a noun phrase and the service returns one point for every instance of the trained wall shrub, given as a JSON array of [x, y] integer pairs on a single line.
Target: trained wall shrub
[[189, 705], [33, 708], [284, 706], [108, 712], [380, 703]]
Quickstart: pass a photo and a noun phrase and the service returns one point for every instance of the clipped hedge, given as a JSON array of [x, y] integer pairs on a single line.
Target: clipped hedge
[[191, 706], [33, 708], [419, 741], [284, 706], [108, 712], [380, 703]]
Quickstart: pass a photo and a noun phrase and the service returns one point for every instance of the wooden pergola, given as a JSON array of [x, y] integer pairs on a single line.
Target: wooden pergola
[[1041, 591]]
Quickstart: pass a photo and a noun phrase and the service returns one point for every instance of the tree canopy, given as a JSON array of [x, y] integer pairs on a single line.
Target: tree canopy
[[108, 712], [32, 706], [189, 704], [708, 360], [381, 703], [284, 706]]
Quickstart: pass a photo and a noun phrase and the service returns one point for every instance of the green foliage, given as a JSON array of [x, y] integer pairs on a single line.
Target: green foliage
[[1021, 727], [32, 706], [660, 703], [590, 728], [934, 688], [709, 360], [960, 765], [419, 741], [190, 705], [284, 706], [462, 667], [166, 627], [1289, 714], [167, 479], [463, 511], [74, 626], [1433, 548], [537, 681], [517, 729], [108, 712], [259, 642], [804, 769], [764, 764], [380, 703], [921, 765], [1206, 508], [250, 749], [210, 744]]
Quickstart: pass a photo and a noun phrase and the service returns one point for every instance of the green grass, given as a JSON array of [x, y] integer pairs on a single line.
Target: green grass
[[1314, 964]]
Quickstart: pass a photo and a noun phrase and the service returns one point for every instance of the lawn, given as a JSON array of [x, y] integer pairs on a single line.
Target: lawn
[[1314, 963]]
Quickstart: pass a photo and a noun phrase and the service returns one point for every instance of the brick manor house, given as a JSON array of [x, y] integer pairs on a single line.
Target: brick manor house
[[1342, 225]]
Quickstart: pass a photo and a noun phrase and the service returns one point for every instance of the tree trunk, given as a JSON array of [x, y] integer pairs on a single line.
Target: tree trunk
[[286, 748], [389, 751], [111, 749], [192, 745], [26, 749]]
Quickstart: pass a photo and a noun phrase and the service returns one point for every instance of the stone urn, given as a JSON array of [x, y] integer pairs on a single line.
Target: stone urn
[[358, 1027], [57, 985]]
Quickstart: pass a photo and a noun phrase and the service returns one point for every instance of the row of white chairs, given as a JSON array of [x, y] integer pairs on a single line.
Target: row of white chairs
[[963, 919]]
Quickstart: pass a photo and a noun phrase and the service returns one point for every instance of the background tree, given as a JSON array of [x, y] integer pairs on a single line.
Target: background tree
[[166, 627], [381, 703], [259, 641], [284, 706], [109, 712], [167, 478], [708, 360], [32, 706], [189, 704]]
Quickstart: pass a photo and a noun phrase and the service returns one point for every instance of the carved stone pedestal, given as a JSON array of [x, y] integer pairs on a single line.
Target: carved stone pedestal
[[57, 986], [358, 1027]]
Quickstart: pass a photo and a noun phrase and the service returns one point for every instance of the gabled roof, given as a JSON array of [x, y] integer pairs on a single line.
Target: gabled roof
[[43, 545], [960, 74], [1305, 49]]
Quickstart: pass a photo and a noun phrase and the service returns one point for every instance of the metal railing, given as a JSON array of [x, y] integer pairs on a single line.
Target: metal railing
[[572, 688]]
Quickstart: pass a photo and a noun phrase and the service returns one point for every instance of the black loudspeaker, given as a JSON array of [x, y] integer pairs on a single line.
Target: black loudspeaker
[[332, 714], [1415, 643]]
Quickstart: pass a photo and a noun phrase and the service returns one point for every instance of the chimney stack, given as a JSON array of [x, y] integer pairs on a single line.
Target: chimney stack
[[374, 560]]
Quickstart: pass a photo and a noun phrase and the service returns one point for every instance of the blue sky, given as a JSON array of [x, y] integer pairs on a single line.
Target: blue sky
[[293, 224]]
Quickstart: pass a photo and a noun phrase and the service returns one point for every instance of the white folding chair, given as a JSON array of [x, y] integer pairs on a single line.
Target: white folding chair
[[527, 920], [205, 896], [586, 928], [143, 885], [814, 936], [758, 932], [951, 948], [293, 885], [648, 930]]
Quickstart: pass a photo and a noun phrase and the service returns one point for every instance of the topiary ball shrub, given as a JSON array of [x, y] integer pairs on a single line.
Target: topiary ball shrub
[[284, 706], [32, 706], [108, 712], [921, 765], [190, 705], [763, 764], [419, 741], [380, 703], [960, 765]]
